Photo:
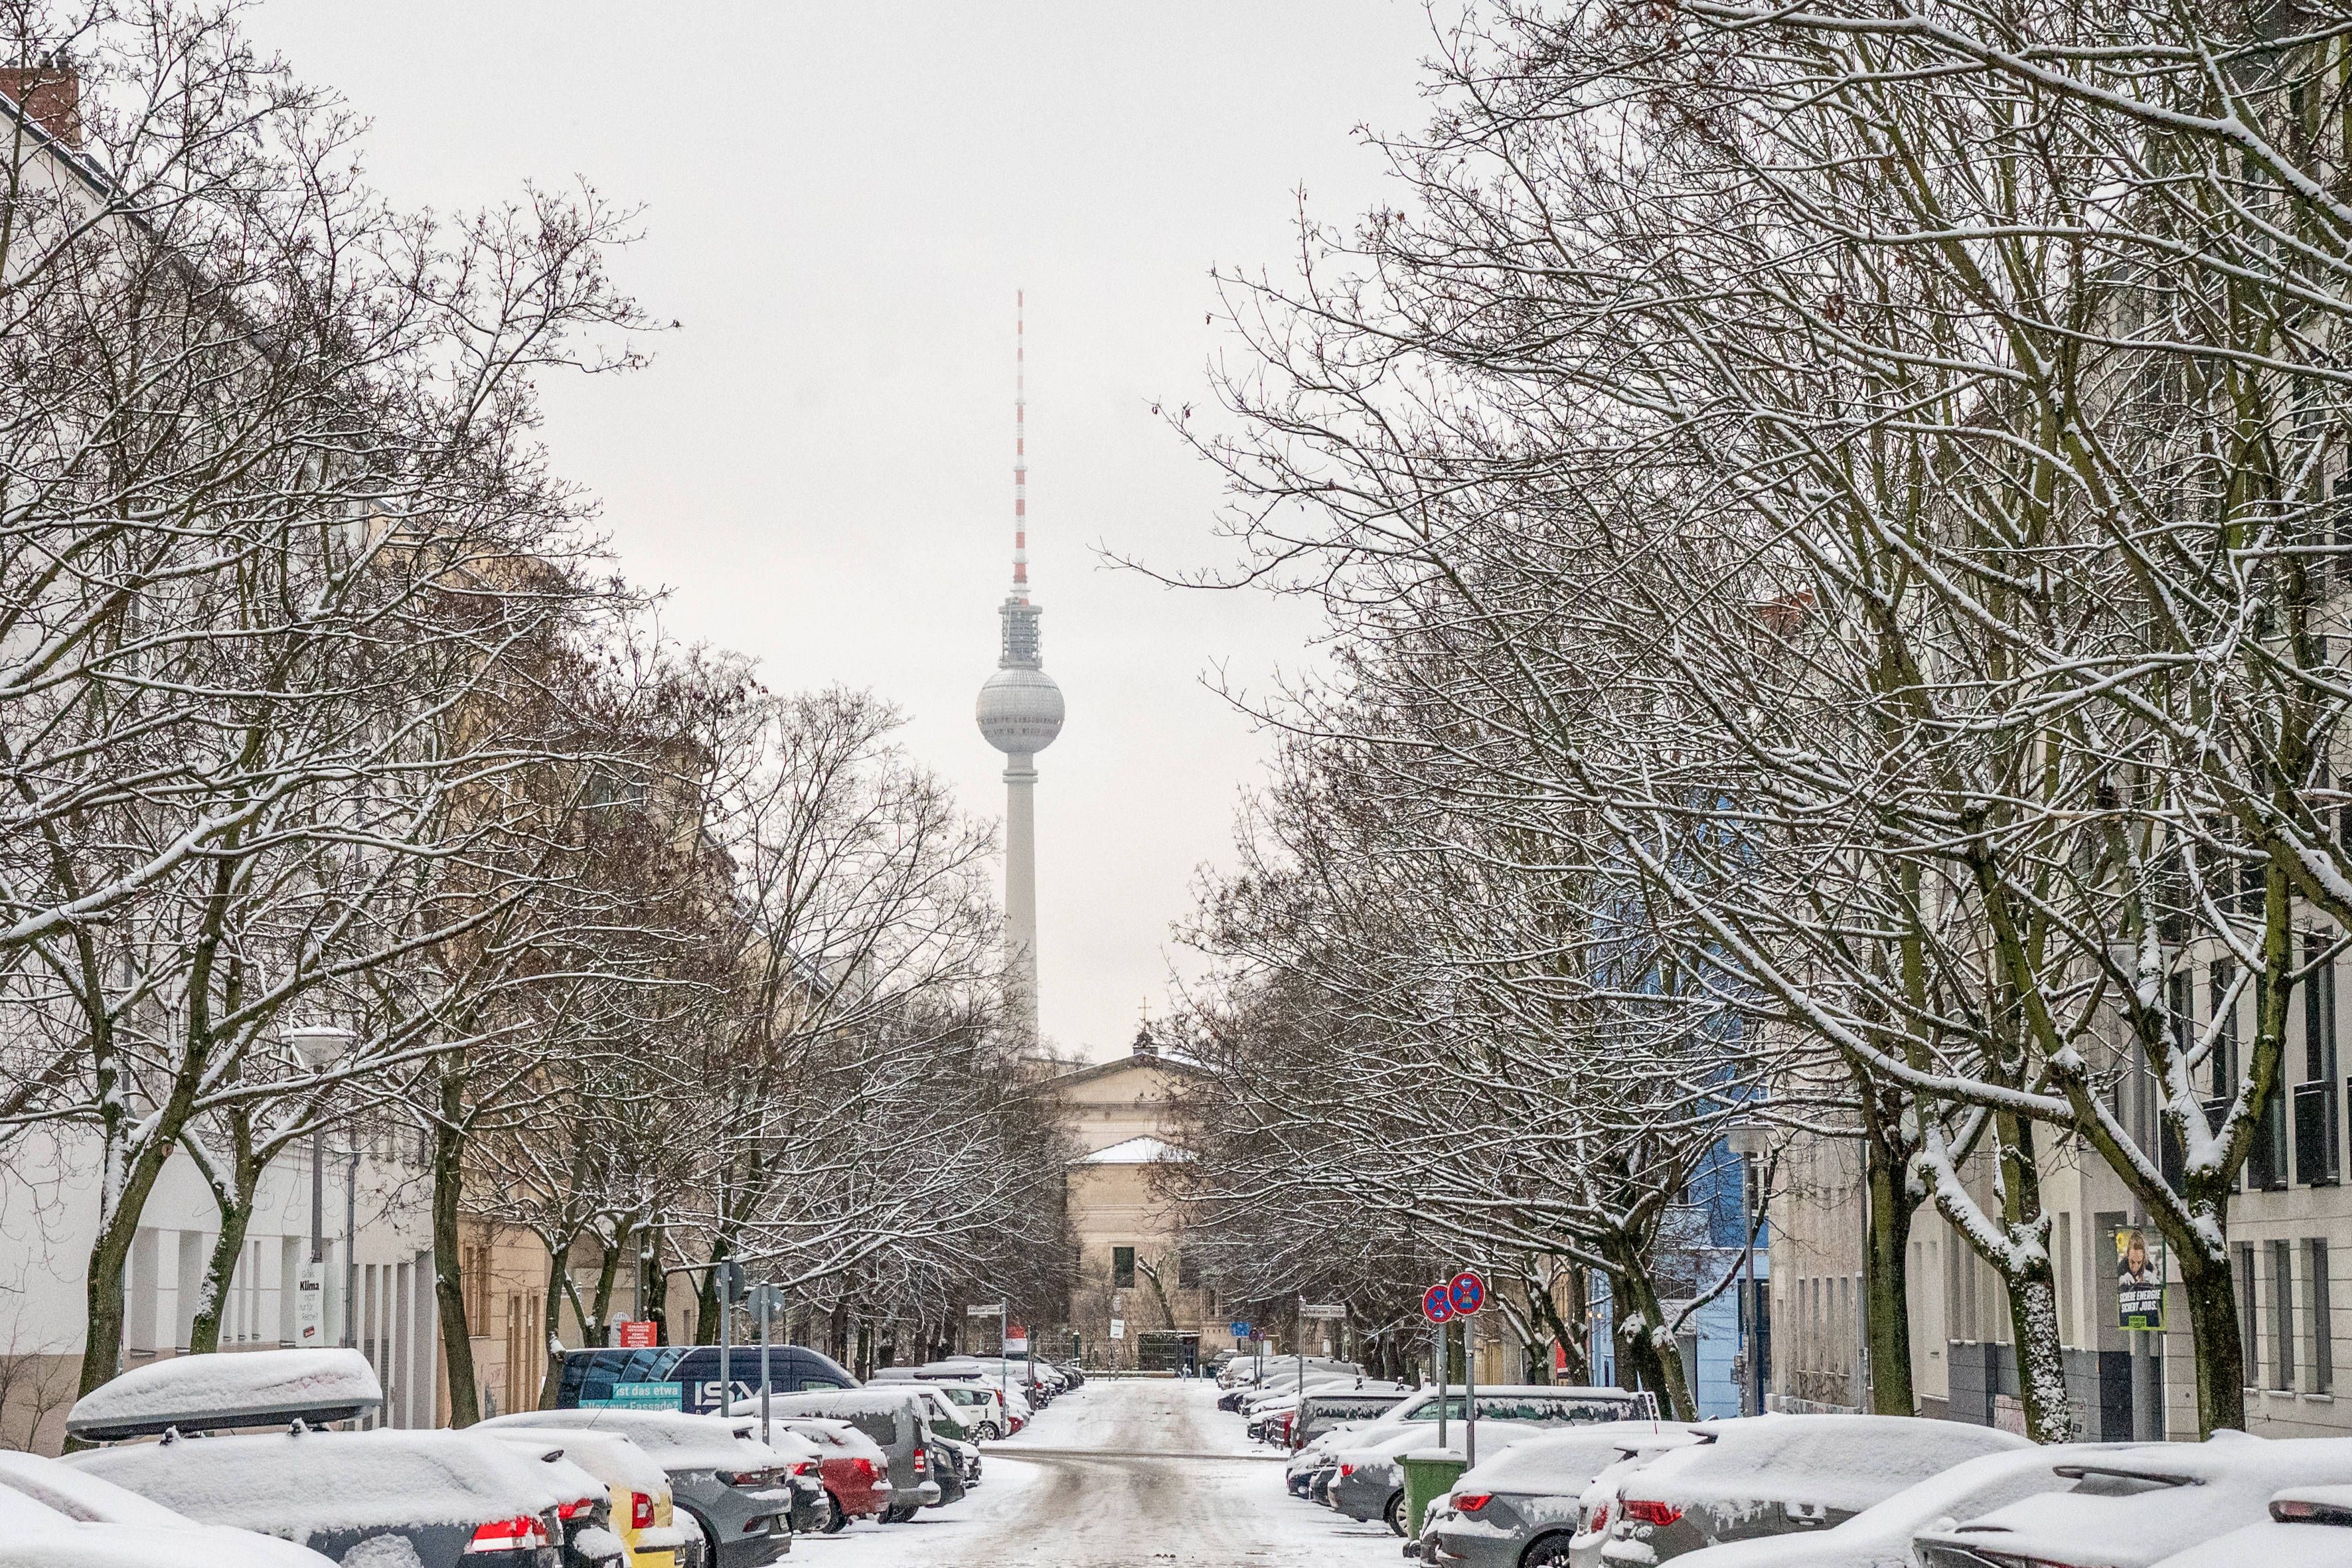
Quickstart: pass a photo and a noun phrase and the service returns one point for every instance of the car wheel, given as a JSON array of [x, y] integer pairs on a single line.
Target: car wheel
[[835, 1516], [988, 1432], [709, 1544], [1551, 1552], [1396, 1512]]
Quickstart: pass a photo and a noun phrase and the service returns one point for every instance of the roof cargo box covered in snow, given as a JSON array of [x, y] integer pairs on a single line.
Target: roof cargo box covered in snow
[[244, 1388]]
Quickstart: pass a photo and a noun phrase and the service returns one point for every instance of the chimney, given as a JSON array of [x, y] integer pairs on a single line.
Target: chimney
[[49, 94]]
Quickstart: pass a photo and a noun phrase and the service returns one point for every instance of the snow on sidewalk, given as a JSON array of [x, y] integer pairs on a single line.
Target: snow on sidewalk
[[1098, 1490]]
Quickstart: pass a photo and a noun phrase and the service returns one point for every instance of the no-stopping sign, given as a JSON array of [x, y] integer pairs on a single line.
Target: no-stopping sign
[[1437, 1303], [1467, 1294]]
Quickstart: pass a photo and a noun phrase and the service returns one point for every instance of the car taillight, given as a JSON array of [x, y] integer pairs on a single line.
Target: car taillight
[[1347, 1469], [641, 1510], [922, 1461], [865, 1468], [576, 1509], [1599, 1520], [1471, 1502], [805, 1467], [754, 1481], [520, 1533], [2302, 1510], [1642, 1512]]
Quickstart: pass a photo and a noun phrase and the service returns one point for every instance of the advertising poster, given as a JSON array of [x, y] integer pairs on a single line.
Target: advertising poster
[[2140, 1277]]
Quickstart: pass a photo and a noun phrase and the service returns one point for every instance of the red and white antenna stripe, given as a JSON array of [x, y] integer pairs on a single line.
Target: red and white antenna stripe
[[1019, 449]]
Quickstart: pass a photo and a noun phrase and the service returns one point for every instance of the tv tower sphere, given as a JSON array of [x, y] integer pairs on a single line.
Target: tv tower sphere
[[1020, 710]]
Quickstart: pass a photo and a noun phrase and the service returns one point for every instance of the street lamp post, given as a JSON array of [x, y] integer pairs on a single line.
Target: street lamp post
[[1749, 1140], [317, 1048]]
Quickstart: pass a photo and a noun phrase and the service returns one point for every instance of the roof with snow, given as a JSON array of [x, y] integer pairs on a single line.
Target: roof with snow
[[1143, 1151]]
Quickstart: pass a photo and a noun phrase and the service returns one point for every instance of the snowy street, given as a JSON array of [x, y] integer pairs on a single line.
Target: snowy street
[[1128, 1472]]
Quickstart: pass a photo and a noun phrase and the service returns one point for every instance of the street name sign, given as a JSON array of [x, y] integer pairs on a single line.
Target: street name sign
[[1323, 1311]]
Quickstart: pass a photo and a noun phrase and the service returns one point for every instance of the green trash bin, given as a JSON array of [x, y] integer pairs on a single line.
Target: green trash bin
[[1429, 1474]]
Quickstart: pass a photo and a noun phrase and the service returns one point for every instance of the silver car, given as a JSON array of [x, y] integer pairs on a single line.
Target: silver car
[[1522, 1507]]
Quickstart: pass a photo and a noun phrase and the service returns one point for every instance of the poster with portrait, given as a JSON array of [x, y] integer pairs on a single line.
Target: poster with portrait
[[2140, 1277]]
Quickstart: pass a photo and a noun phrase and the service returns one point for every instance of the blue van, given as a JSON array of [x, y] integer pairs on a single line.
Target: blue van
[[686, 1377]]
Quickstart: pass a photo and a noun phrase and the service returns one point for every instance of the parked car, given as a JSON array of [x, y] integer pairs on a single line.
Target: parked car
[[1882, 1533], [449, 1498], [1521, 1507], [644, 1508], [1596, 1508], [1369, 1483], [2308, 1526], [1780, 1474], [894, 1420], [50, 1511], [856, 1472], [737, 1491], [2137, 1506], [1323, 1409], [591, 1378]]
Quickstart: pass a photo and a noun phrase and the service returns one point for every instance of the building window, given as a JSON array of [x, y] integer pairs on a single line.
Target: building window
[[2281, 1314], [2319, 1011], [2323, 1326], [2225, 1036], [1188, 1271], [2249, 1346], [1122, 1267]]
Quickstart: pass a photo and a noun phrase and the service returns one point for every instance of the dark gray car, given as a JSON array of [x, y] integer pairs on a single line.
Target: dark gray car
[[897, 1422], [732, 1487]]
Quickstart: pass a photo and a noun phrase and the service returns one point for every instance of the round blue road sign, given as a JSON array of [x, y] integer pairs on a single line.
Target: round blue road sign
[[1467, 1294], [1438, 1304]]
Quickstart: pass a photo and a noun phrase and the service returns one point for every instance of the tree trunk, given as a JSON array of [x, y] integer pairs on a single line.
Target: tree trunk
[[1886, 1265], [1641, 1323], [652, 1285], [597, 1327], [551, 1328], [2221, 1357], [448, 1284], [236, 1204]]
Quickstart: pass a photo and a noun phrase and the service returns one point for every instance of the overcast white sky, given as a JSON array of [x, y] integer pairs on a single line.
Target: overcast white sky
[[840, 201]]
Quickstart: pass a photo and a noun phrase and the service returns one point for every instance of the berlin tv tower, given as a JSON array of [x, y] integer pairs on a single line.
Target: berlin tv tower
[[1020, 712]]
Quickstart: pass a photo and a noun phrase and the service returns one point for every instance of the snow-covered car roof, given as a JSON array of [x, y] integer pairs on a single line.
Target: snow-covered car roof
[[223, 1389], [870, 1400], [670, 1438], [1883, 1531], [1493, 1438], [64, 1543], [2140, 1505], [302, 1482], [829, 1434], [610, 1457], [37, 1492], [1563, 1463], [1842, 1462]]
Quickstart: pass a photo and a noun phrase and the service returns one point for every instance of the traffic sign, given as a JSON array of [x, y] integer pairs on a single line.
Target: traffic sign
[[1241, 1328], [1323, 1311], [731, 1281], [1468, 1293], [1437, 1304]]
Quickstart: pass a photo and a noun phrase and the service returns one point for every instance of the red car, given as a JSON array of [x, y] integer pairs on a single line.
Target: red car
[[856, 1473]]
